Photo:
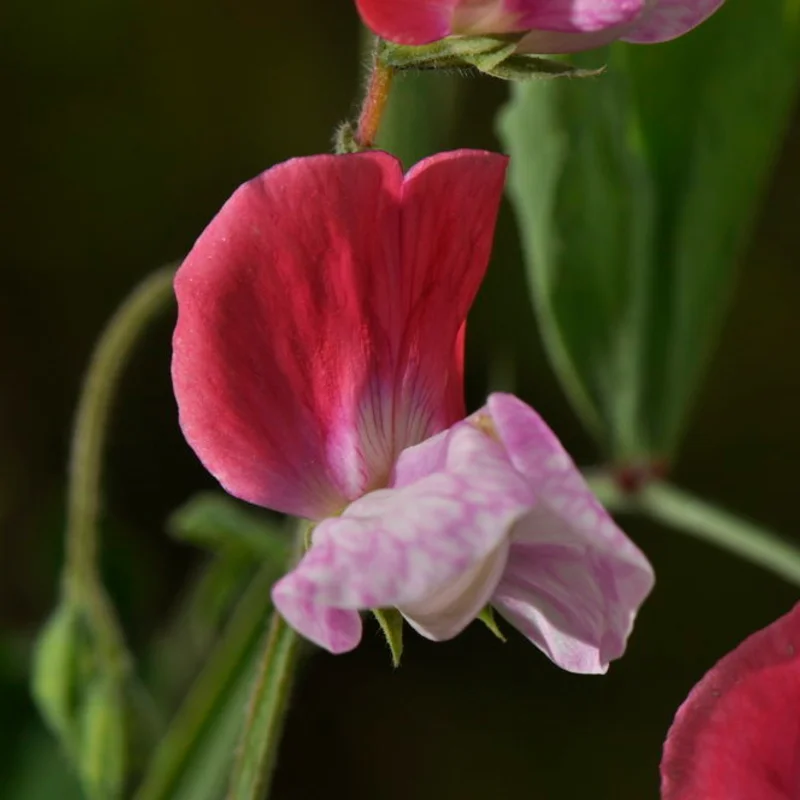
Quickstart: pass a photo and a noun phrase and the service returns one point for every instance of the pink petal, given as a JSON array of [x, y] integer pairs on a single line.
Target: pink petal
[[668, 19], [408, 21], [737, 735], [412, 546], [422, 21], [573, 582], [320, 326]]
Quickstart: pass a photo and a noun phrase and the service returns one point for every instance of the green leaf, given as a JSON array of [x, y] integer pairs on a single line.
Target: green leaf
[[217, 522], [635, 194], [487, 618], [391, 622], [582, 194]]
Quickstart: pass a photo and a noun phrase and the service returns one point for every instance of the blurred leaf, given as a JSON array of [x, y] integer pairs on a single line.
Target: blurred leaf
[[194, 758], [391, 622], [87, 705], [635, 194], [103, 740], [219, 523], [56, 675]]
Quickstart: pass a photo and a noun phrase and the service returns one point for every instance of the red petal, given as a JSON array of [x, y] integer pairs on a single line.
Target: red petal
[[737, 735], [408, 21], [320, 317]]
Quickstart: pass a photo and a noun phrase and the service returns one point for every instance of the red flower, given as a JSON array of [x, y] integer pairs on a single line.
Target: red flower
[[737, 735], [321, 322]]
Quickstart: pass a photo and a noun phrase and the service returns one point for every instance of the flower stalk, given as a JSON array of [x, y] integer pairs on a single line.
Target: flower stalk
[[379, 86]]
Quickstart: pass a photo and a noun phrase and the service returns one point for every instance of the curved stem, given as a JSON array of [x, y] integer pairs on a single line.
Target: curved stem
[[377, 96], [269, 700], [228, 660], [688, 514], [255, 760], [81, 580]]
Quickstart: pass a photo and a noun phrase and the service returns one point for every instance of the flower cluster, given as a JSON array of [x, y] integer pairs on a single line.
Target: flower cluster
[[318, 368]]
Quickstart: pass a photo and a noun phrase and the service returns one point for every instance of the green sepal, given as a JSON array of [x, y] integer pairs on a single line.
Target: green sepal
[[492, 55], [487, 618], [218, 523], [520, 67], [451, 53], [391, 622]]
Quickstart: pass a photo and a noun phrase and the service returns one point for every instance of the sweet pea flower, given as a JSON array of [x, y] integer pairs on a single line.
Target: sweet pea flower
[[737, 735], [492, 510], [550, 26], [317, 364]]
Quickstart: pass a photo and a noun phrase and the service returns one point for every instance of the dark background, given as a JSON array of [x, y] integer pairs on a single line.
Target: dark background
[[125, 127]]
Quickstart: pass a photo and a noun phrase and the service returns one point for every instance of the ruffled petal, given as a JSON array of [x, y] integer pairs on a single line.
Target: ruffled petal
[[573, 581], [320, 326], [412, 546], [737, 734], [668, 19]]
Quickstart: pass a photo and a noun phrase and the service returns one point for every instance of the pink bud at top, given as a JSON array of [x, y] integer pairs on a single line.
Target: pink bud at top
[[551, 26]]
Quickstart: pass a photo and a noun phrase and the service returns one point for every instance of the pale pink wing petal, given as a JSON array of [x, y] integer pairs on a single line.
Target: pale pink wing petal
[[737, 734], [668, 19], [573, 582], [412, 546], [320, 322], [573, 16]]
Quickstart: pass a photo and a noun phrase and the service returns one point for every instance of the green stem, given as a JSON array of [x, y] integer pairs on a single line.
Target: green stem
[[208, 692], [688, 514], [269, 701], [81, 579]]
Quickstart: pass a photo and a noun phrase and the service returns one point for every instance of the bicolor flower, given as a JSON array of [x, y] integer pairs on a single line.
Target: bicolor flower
[[550, 26], [492, 510], [737, 735], [317, 365]]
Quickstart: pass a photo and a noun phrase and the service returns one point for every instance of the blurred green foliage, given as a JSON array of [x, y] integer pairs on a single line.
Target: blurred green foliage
[[127, 125]]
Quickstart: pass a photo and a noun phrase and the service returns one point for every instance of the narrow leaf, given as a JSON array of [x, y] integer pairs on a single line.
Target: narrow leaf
[[218, 522]]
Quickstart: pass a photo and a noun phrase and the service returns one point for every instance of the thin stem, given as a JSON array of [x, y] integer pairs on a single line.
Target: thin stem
[[375, 100], [209, 690], [688, 514], [81, 579], [269, 701]]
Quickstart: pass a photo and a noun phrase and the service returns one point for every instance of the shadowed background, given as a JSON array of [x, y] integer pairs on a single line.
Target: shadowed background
[[127, 125]]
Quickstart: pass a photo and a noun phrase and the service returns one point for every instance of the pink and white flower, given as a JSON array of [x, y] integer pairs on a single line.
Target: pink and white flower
[[551, 26], [737, 734], [317, 365]]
